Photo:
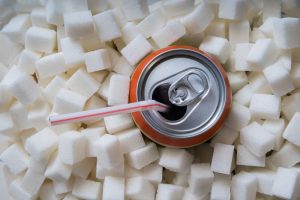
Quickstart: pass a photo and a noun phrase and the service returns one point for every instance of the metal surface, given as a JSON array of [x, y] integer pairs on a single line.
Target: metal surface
[[205, 103]]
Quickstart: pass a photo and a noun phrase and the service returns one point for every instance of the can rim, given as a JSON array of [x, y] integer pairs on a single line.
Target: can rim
[[167, 140]]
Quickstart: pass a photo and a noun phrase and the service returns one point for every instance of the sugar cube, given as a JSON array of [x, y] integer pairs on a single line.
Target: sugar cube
[[257, 139], [117, 123], [17, 26], [27, 61], [285, 183], [222, 158], [32, 181], [239, 116], [245, 157], [8, 125], [265, 106], [143, 156], [221, 187], [117, 171], [129, 32], [92, 135], [63, 187], [130, 140], [78, 24], [153, 173], [97, 6], [276, 127], [57, 170], [152, 23], [278, 79], [216, 28], [73, 52], [295, 74], [216, 46], [239, 32], [263, 53], [233, 9], [259, 83], [225, 135], [191, 21], [174, 8], [6, 57], [291, 132], [136, 50], [40, 39], [38, 18], [237, 80], [290, 105], [51, 65], [109, 151], [107, 26], [83, 168], [123, 67], [67, 101], [135, 9], [42, 144], [242, 50], [287, 156], [118, 90], [97, 60], [113, 188], [243, 96], [177, 160], [139, 188], [72, 147], [38, 114], [244, 186], [201, 179], [53, 87], [87, 189], [15, 159], [169, 192], [16, 191], [169, 34], [271, 9]]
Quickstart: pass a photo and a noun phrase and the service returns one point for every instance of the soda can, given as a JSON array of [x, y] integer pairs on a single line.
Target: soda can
[[193, 84]]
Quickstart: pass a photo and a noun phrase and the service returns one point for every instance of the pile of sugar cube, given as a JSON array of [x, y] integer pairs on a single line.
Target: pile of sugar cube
[[62, 56]]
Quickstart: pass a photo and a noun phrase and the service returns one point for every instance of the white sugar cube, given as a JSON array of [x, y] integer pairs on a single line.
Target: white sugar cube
[[107, 26], [278, 79], [51, 65], [290, 105], [216, 28], [17, 26], [243, 96], [245, 157], [177, 160], [73, 52], [153, 173], [97, 6], [201, 179], [16, 191], [82, 83], [91, 42], [242, 50], [286, 32], [119, 15], [63, 187], [130, 140], [15, 159], [53, 87], [135, 9], [70, 197], [38, 18], [139, 188], [7, 127], [67, 101], [123, 67], [225, 135], [221, 187], [287, 156], [103, 91], [239, 32], [47, 192], [263, 53], [3, 70], [6, 57], [271, 8], [92, 135], [259, 83], [216, 46], [87, 189], [291, 132], [222, 158], [233, 9], [118, 90], [191, 21], [173, 8], [169, 192], [143, 156], [38, 166], [239, 116], [169, 34], [237, 80], [267, 28], [83, 168], [188, 195], [42, 144], [285, 183], [72, 147], [113, 188], [257, 139], [265, 106], [97, 60], [276, 127], [32, 181], [27, 61], [117, 171], [136, 50], [109, 151], [180, 179], [38, 114], [57, 170], [151, 23], [78, 24], [265, 180], [117, 123], [129, 32], [40, 39], [295, 74], [244, 186], [25, 89]]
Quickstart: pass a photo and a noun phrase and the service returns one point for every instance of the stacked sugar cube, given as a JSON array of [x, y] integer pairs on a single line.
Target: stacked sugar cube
[[73, 55]]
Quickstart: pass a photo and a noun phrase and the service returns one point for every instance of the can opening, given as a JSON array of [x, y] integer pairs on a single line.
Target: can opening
[[175, 112]]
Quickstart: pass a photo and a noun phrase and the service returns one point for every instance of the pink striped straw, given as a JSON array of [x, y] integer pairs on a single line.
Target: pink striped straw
[[107, 111]]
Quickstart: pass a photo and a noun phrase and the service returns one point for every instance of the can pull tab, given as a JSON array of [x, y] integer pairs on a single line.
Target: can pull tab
[[192, 85]]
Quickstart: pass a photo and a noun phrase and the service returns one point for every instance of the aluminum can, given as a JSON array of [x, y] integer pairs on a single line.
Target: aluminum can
[[193, 84]]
